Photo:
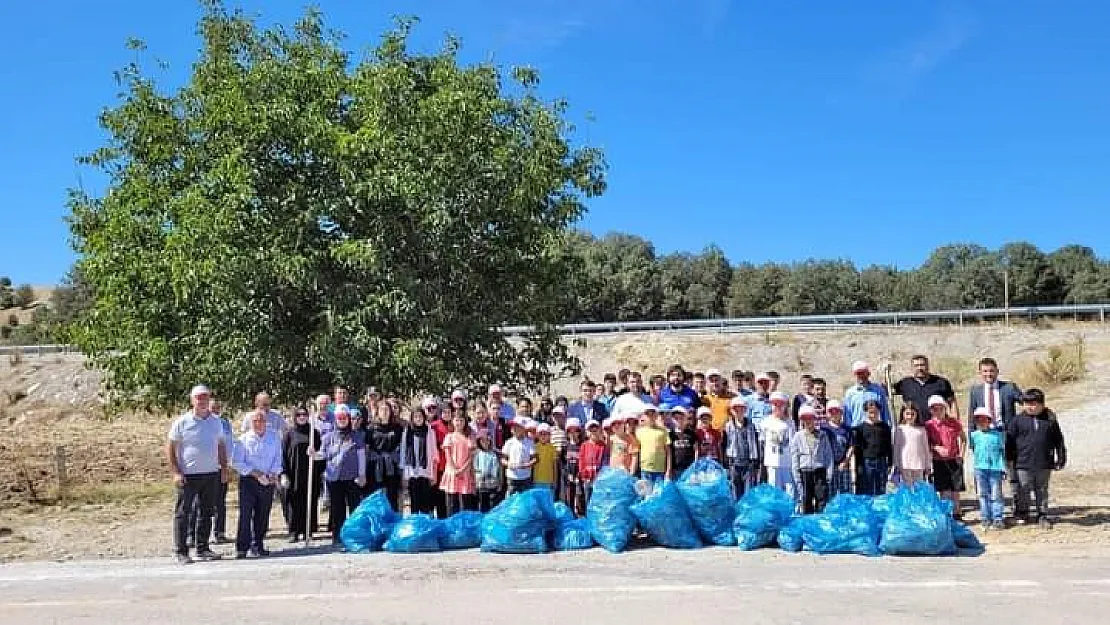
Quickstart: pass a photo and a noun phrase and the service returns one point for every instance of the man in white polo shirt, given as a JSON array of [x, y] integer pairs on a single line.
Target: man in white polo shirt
[[198, 456]]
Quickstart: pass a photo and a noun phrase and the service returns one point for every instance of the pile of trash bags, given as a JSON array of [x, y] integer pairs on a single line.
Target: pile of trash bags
[[695, 510]]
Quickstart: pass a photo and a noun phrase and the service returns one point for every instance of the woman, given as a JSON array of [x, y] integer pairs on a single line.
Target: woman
[[295, 476], [546, 411], [345, 472], [419, 456], [383, 445]]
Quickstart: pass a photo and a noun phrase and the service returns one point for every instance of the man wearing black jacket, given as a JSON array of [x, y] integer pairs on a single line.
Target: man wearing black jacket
[[1037, 444]]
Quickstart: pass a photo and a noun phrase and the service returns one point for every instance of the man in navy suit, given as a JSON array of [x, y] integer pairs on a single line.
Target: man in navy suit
[[587, 409], [1003, 400]]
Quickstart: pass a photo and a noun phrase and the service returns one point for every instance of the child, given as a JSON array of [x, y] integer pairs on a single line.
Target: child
[[709, 440], [591, 458], [419, 457], [518, 457], [487, 471], [568, 467], [988, 446], [840, 437], [545, 473], [684, 440], [912, 458], [741, 448], [1039, 444], [776, 432], [655, 447], [871, 445], [458, 473], [947, 440], [810, 458], [624, 449]]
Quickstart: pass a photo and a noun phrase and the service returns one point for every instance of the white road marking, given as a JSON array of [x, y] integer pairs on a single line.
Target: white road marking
[[63, 604], [625, 589], [295, 597], [1090, 582]]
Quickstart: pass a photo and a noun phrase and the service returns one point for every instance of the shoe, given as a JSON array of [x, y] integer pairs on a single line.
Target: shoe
[[221, 539], [240, 555], [189, 543], [1044, 523], [295, 538], [998, 525], [183, 558], [207, 555], [260, 553], [1021, 520]]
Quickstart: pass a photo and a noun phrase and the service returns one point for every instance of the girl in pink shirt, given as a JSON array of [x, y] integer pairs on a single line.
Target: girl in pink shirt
[[912, 457], [458, 474]]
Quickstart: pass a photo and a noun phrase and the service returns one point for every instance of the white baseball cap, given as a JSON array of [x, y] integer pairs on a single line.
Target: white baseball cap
[[458, 394], [713, 372], [646, 407], [763, 377], [592, 423], [780, 396], [936, 400], [737, 401], [558, 410], [429, 402], [834, 404], [679, 409], [983, 411], [704, 411], [494, 388], [574, 422], [860, 366], [806, 411], [199, 390], [543, 427]]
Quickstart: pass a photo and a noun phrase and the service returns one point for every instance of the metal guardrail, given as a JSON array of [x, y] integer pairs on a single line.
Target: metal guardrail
[[800, 323]]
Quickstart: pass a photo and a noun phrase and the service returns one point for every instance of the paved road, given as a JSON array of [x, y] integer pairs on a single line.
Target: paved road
[[637, 588]]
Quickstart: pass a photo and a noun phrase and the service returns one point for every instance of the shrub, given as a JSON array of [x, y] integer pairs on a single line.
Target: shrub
[[1064, 364]]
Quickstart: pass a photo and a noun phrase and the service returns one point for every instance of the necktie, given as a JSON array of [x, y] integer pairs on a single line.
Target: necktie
[[990, 401]]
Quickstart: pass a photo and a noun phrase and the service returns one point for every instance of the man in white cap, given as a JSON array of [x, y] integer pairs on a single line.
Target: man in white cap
[[497, 404], [863, 391], [759, 402], [197, 452]]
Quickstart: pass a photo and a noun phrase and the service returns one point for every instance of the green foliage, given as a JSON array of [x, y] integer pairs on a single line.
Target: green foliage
[[7, 297], [293, 217]]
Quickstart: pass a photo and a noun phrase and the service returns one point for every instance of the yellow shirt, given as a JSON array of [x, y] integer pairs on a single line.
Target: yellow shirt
[[719, 405], [546, 458], [653, 449]]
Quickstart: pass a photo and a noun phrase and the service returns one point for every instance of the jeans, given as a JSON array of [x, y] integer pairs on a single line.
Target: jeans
[[1017, 501], [1033, 481], [989, 485], [840, 481], [872, 476], [814, 489], [200, 490], [743, 475], [255, 501]]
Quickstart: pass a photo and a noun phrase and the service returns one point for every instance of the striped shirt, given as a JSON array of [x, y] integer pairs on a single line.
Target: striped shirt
[[558, 437]]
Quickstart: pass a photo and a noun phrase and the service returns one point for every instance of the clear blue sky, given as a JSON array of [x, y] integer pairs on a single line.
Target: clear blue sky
[[920, 122]]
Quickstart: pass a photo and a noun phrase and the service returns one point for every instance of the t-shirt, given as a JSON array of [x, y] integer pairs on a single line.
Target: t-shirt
[[945, 433], [198, 443], [683, 449], [653, 449], [547, 458], [622, 451], [684, 396], [918, 392], [518, 452], [719, 404], [776, 442], [627, 404], [989, 448], [709, 443]]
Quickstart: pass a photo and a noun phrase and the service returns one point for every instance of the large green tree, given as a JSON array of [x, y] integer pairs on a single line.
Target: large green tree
[[293, 217]]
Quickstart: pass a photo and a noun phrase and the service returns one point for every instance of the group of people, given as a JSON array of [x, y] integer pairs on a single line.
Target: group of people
[[466, 454]]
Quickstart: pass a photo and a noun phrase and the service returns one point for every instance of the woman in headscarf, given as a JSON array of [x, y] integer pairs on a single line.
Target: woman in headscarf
[[344, 451], [546, 412], [295, 477], [419, 457], [383, 451]]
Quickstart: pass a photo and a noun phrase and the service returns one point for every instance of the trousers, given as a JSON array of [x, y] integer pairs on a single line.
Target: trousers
[[199, 492], [255, 501]]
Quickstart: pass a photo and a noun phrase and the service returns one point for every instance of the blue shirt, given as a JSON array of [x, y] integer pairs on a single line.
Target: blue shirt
[[345, 456], [257, 453], [989, 449], [759, 407], [685, 397], [198, 443], [840, 438], [584, 411], [856, 396]]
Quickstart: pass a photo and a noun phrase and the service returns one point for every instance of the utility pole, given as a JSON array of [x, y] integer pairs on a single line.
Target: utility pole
[[1006, 293]]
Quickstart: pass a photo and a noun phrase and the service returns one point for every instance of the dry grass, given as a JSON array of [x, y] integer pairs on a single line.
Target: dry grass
[[1063, 364]]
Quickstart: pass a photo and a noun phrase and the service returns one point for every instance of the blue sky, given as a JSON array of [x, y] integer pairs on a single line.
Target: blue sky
[[869, 130]]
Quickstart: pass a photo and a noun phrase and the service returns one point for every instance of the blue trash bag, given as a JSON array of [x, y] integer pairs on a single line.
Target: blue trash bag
[[790, 536], [706, 489], [880, 506], [663, 515], [418, 533], [760, 514], [563, 513], [521, 523], [842, 533], [463, 530], [964, 537], [924, 532], [370, 525], [573, 535], [847, 503], [609, 509]]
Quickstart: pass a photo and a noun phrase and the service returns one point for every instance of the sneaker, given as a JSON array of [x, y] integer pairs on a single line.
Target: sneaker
[[240, 555], [207, 555], [183, 558], [1044, 523], [999, 525]]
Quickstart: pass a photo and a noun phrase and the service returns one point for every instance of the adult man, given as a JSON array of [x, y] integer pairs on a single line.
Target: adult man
[[1003, 400], [274, 421], [220, 524], [587, 408], [919, 387], [804, 398], [700, 383], [676, 393], [759, 401], [323, 418], [609, 394], [197, 455], [257, 459], [343, 398], [629, 402], [859, 394], [497, 405], [719, 398]]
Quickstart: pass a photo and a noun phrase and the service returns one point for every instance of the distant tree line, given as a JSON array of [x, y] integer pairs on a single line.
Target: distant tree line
[[622, 278], [50, 321]]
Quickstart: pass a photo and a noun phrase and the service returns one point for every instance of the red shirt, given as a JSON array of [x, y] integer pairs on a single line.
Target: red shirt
[[709, 443], [590, 460], [946, 434], [440, 429]]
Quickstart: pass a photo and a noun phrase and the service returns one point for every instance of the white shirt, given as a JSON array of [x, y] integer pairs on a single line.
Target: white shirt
[[628, 404], [518, 452], [776, 441], [274, 422], [257, 453], [993, 390]]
